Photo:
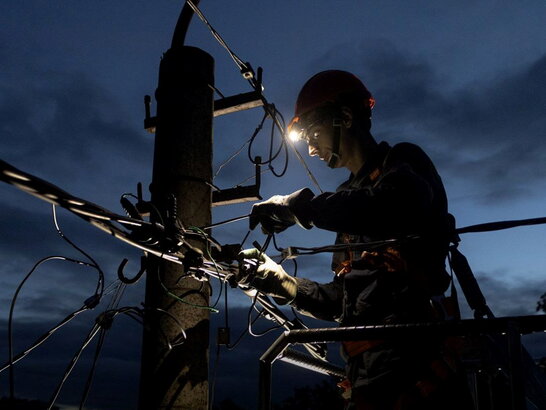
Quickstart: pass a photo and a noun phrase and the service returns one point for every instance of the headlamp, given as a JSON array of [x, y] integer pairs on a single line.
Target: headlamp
[[295, 134], [297, 131]]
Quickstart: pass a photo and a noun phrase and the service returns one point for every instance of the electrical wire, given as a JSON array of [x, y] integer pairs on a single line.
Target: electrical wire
[[242, 335], [181, 298], [42, 338], [216, 35], [250, 322], [170, 344], [231, 157], [295, 274], [216, 267], [89, 381], [283, 145], [12, 308], [263, 171], [102, 323], [245, 238], [114, 303], [253, 138], [248, 73], [92, 333], [100, 284]]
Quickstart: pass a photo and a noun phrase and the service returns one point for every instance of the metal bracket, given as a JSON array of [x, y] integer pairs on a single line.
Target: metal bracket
[[238, 102], [222, 106], [239, 194]]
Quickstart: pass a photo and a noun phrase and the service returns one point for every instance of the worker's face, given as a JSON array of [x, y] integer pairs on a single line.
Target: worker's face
[[318, 133]]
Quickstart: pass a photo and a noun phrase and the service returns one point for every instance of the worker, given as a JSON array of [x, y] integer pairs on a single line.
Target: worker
[[393, 197]]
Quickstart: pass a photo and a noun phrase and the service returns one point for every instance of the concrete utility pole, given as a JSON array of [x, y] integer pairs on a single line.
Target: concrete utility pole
[[178, 378]]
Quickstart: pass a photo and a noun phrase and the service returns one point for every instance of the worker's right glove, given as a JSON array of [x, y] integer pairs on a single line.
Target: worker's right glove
[[260, 272], [282, 211]]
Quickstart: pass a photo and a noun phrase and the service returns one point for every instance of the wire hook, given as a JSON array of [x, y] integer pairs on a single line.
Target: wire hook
[[124, 279]]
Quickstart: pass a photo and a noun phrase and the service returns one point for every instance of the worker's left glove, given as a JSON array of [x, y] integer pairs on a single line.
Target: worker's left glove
[[260, 272], [282, 211]]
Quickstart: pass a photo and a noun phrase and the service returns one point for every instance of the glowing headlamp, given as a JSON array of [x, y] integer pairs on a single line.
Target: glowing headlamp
[[298, 132], [295, 134], [294, 130]]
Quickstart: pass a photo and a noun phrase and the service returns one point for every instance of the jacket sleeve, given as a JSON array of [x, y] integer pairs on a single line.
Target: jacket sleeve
[[321, 301], [402, 201]]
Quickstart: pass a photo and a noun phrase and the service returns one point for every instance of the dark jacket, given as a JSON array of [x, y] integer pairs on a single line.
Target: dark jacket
[[397, 194]]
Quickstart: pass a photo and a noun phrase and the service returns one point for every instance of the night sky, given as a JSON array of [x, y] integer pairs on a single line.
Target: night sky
[[465, 80]]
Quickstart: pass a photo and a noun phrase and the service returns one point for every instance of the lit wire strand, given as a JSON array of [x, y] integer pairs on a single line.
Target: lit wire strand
[[100, 284], [90, 336], [231, 158], [216, 35], [42, 338]]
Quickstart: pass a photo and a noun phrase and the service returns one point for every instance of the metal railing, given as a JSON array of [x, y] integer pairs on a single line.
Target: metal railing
[[511, 327]]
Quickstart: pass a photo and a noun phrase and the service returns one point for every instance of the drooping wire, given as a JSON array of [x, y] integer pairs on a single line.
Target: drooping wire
[[92, 333], [263, 171], [89, 304], [104, 321], [250, 322], [281, 126], [182, 300], [42, 338], [114, 303], [212, 308], [253, 137], [243, 333], [283, 145], [100, 284], [230, 158], [11, 360], [272, 156], [89, 381], [170, 343]]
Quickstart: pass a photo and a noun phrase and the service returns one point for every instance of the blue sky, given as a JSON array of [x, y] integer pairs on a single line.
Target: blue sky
[[465, 80]]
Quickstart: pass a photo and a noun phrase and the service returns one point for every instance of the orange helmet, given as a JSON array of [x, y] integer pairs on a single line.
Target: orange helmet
[[328, 86]]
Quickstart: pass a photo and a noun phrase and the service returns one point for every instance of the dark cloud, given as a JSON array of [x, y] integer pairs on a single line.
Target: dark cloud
[[66, 129], [515, 297], [487, 132]]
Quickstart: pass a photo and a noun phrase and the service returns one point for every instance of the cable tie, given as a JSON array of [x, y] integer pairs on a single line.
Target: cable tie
[[105, 319], [92, 301]]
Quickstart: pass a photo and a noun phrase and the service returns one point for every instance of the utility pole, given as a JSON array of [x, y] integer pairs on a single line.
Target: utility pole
[[177, 377]]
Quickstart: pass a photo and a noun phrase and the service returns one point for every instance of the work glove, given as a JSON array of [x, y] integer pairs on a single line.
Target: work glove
[[257, 270], [282, 211]]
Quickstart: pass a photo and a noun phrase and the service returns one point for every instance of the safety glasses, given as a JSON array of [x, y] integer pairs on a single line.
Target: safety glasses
[[305, 131]]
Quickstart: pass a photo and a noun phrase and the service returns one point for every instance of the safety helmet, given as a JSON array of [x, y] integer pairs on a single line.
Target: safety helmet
[[328, 86]]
